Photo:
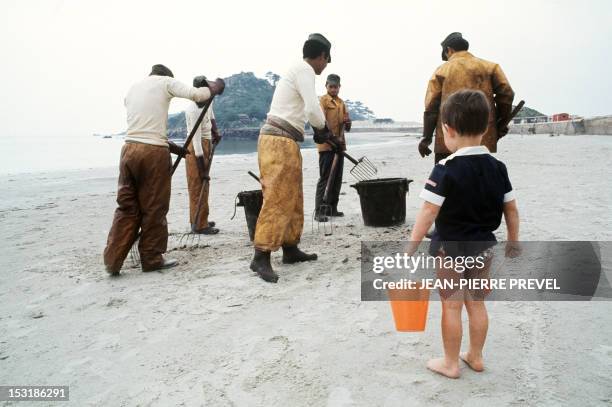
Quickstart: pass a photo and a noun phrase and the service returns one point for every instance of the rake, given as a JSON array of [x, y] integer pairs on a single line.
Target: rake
[[325, 209], [191, 238], [363, 169]]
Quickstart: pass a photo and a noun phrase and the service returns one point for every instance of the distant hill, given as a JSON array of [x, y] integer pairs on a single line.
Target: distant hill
[[528, 112], [245, 104]]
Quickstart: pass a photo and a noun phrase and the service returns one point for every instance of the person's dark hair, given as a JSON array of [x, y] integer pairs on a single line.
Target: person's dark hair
[[161, 70], [200, 81], [466, 111], [312, 49], [459, 44]]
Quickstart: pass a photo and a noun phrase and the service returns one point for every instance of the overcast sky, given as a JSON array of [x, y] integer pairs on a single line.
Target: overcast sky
[[66, 65]]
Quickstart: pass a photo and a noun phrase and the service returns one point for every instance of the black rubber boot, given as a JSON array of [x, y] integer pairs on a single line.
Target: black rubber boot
[[168, 263], [291, 254], [206, 231], [113, 273], [336, 213], [261, 265], [321, 218]]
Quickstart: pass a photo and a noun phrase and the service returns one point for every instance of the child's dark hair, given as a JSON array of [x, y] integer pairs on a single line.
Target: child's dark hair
[[466, 111], [313, 49]]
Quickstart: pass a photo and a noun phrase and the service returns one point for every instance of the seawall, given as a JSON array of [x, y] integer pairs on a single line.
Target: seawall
[[592, 125]]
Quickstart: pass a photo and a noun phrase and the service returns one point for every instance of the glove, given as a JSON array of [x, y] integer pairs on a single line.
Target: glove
[[503, 112], [338, 143], [217, 87], [216, 137], [178, 150], [424, 149], [430, 121], [321, 135]]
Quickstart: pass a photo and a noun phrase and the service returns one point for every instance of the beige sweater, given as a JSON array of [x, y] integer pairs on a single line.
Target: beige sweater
[[295, 99], [147, 104], [205, 131]]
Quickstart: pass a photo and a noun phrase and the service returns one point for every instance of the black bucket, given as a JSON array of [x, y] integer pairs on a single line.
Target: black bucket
[[252, 201], [383, 201]]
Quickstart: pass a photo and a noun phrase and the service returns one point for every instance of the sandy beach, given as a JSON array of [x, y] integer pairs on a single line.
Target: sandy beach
[[211, 333]]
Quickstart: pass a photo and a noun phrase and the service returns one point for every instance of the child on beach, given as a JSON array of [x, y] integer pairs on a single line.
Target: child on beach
[[466, 195]]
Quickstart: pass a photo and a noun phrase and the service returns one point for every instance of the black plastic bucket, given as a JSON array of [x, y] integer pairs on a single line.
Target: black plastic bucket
[[383, 201], [252, 201]]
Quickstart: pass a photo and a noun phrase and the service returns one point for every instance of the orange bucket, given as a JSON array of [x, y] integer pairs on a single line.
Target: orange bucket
[[409, 308]]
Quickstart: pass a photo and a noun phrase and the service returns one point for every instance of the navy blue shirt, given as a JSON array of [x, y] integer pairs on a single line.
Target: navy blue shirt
[[471, 187]]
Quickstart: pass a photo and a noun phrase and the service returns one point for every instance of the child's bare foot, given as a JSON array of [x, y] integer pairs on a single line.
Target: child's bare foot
[[439, 366], [475, 363]]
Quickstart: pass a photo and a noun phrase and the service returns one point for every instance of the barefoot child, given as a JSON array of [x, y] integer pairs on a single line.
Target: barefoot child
[[466, 195]]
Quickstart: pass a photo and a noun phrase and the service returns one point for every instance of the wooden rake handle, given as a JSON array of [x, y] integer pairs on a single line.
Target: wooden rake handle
[[195, 128], [344, 153]]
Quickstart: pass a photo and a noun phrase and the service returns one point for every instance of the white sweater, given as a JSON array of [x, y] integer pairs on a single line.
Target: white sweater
[[147, 105], [191, 117], [295, 99]]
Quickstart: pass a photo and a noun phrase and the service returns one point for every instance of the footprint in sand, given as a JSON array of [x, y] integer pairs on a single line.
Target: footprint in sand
[[263, 361], [116, 302]]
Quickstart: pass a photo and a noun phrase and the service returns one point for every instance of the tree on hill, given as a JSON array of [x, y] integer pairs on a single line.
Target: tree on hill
[[359, 111], [528, 112], [272, 78]]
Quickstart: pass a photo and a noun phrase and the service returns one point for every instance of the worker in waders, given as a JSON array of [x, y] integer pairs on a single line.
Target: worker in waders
[[294, 102], [198, 160], [338, 121], [143, 194], [462, 70]]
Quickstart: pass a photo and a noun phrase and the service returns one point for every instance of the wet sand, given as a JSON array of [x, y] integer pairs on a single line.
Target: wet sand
[[209, 332]]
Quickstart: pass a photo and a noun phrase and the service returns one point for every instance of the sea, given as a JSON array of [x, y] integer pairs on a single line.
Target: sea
[[36, 154]]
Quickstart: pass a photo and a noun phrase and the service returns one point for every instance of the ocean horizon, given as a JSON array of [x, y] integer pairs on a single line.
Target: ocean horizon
[[37, 154]]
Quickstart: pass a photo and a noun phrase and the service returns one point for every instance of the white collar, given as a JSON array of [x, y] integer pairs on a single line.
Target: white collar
[[472, 150]]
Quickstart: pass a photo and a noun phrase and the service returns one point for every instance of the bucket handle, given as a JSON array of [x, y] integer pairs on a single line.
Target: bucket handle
[[235, 205]]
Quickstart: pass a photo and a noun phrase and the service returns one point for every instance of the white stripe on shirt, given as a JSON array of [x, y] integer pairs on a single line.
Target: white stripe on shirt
[[470, 150], [509, 196], [432, 197]]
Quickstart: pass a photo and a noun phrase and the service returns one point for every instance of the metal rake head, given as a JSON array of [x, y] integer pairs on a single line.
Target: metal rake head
[[326, 227], [135, 255], [189, 239], [364, 170]]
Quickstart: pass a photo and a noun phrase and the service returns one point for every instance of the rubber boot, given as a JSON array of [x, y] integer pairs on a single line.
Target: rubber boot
[[291, 254], [336, 213], [209, 230], [168, 263], [113, 273], [261, 265], [321, 218]]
